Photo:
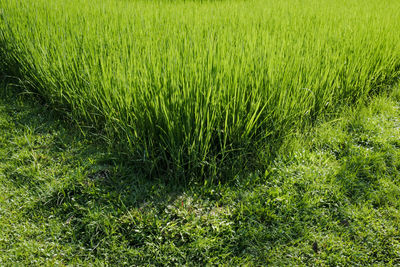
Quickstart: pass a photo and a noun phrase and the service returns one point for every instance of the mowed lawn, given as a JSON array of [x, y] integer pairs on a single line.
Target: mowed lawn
[[330, 198]]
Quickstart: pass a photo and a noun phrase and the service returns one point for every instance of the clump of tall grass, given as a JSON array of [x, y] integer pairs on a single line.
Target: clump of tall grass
[[184, 86]]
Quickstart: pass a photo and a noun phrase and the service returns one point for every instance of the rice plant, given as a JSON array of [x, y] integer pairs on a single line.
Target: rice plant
[[185, 86]]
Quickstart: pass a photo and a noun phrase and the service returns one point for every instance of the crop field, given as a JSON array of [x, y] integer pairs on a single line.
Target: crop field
[[199, 132], [193, 86]]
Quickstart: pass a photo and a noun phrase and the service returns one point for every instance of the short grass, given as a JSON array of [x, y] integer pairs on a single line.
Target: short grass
[[331, 197], [193, 88]]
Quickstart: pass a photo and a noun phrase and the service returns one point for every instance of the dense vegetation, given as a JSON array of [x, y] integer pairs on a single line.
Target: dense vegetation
[[289, 101], [190, 86], [330, 199]]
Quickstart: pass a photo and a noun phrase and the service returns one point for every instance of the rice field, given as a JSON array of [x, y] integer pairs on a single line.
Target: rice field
[[187, 86]]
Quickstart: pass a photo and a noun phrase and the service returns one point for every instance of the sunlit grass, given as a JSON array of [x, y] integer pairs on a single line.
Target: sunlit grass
[[331, 198], [185, 86]]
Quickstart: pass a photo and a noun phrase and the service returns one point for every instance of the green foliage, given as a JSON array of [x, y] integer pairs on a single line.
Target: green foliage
[[190, 87], [330, 198]]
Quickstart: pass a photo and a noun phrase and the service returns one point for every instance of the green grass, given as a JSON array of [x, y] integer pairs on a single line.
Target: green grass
[[194, 88], [331, 197], [278, 116]]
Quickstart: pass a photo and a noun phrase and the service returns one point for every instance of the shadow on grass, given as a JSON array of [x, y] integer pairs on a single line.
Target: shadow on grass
[[111, 211], [103, 203], [71, 174]]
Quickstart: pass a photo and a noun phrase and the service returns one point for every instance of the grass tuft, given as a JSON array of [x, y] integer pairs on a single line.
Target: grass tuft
[[191, 88]]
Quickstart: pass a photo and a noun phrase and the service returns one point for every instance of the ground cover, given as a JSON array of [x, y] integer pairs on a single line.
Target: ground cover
[[277, 117], [330, 198]]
